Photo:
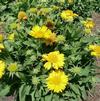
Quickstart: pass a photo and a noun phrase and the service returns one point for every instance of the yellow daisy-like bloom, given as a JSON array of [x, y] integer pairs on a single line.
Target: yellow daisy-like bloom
[[43, 33], [57, 81], [12, 67], [91, 47], [11, 37], [1, 37], [95, 50], [22, 15], [88, 24], [1, 47], [54, 60], [38, 32], [68, 15], [2, 68]]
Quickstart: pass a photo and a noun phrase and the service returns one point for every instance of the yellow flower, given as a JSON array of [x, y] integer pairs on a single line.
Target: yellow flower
[[22, 15], [2, 68], [68, 15], [57, 81], [38, 32], [1, 37], [12, 67], [1, 47], [11, 37], [54, 60], [44, 33], [91, 47], [95, 50], [89, 24], [47, 34]]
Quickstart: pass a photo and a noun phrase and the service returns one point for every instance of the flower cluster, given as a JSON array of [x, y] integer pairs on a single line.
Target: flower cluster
[[52, 60], [57, 80], [43, 33]]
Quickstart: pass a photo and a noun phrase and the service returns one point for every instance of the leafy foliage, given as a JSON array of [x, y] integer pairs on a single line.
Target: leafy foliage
[[27, 51]]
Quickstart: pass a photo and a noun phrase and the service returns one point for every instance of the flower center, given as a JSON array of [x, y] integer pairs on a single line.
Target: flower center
[[53, 58], [39, 34], [56, 80]]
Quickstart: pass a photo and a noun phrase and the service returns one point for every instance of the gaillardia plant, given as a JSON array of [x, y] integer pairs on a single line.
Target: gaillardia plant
[[47, 50]]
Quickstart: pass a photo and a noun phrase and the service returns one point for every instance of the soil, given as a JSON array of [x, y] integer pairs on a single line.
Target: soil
[[94, 94]]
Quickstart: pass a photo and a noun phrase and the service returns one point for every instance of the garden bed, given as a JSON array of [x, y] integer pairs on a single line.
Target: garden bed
[[39, 44]]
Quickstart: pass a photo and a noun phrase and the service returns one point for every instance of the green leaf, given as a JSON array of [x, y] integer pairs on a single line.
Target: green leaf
[[55, 97], [48, 97], [23, 91], [4, 91], [83, 92], [85, 72], [21, 76], [61, 99], [32, 96], [8, 46], [67, 93], [75, 88]]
